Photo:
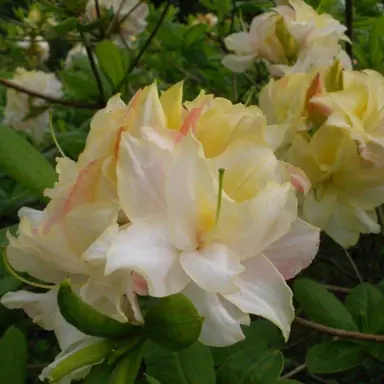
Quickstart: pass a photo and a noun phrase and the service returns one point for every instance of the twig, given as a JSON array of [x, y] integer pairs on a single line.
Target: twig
[[336, 288], [115, 18], [93, 66], [37, 366], [354, 266], [146, 45], [125, 17], [349, 25], [98, 14], [51, 99], [295, 371], [340, 332], [233, 15]]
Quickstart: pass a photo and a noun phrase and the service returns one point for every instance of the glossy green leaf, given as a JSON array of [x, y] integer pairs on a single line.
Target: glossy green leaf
[[261, 367], [20, 160], [110, 61], [334, 356], [362, 302], [100, 374], [64, 27], [151, 380], [89, 321], [260, 335], [8, 283], [13, 357], [128, 367], [90, 354], [190, 366], [194, 33], [173, 322], [322, 306]]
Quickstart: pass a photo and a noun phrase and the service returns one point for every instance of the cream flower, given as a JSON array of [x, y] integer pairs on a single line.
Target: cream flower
[[27, 113], [359, 110], [345, 188], [291, 38], [36, 46], [130, 17], [77, 50], [182, 240]]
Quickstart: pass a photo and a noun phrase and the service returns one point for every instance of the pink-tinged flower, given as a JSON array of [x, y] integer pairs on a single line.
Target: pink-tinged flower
[[227, 244]]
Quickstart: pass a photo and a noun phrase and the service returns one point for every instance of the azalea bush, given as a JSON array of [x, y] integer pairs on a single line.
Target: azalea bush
[[191, 193]]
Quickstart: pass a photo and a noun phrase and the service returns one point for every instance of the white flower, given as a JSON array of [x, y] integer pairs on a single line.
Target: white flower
[[293, 37], [36, 46], [27, 113], [226, 260], [130, 20], [75, 51]]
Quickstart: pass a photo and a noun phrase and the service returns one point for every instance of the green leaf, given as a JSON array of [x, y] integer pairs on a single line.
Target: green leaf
[[90, 354], [376, 53], [173, 322], [151, 380], [13, 357], [261, 367], [99, 374], [9, 283], [194, 33], [3, 234], [361, 303], [190, 366], [334, 356], [128, 367], [101, 22], [260, 335], [111, 62], [89, 321], [63, 28], [322, 306], [20, 160]]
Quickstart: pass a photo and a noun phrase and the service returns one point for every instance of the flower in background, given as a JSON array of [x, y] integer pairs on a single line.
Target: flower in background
[[206, 18], [27, 113], [358, 108], [35, 46], [129, 18], [291, 38], [346, 188], [77, 50]]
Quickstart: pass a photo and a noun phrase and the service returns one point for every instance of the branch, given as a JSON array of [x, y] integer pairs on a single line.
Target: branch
[[93, 66], [349, 25], [295, 371], [51, 99], [98, 14], [353, 264], [336, 288], [340, 332], [146, 45]]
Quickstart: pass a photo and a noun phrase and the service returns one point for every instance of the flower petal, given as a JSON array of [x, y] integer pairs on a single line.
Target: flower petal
[[191, 193], [249, 227], [295, 250], [264, 292], [237, 63], [145, 249], [212, 268], [141, 172], [221, 326]]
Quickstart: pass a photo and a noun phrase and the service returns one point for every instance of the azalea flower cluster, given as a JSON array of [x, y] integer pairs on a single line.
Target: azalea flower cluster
[[168, 197], [330, 125], [27, 113], [128, 21], [291, 38]]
